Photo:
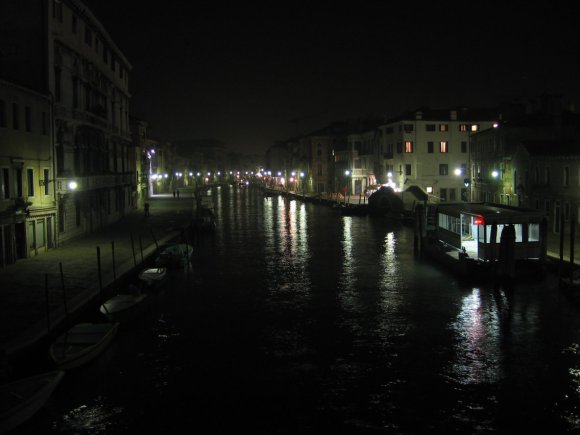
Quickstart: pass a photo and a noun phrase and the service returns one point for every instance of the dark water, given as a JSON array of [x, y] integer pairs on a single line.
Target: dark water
[[296, 320]]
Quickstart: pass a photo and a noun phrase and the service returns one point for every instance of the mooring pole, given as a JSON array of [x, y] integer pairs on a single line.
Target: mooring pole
[[63, 292], [99, 270], [114, 270], [141, 248], [47, 301], [133, 249], [572, 241]]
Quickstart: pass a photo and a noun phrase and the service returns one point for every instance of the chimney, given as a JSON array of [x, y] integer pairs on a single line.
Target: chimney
[[453, 115], [419, 115]]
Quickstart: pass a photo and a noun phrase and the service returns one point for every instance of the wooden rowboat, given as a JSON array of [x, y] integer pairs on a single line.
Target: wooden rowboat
[[153, 276], [121, 307], [81, 344], [21, 399]]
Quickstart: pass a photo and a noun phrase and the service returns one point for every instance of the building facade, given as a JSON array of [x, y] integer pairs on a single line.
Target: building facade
[[60, 48], [27, 188]]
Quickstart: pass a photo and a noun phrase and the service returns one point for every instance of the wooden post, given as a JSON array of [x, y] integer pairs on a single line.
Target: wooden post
[[141, 248], [561, 239], [99, 270], [47, 301], [63, 292], [154, 239], [113, 254], [572, 240], [133, 249]]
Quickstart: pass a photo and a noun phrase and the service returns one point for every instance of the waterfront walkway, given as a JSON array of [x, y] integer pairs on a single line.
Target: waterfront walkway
[[31, 285]]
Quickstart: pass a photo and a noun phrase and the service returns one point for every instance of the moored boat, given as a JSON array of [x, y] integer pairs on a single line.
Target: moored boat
[[177, 255], [81, 344], [122, 307], [484, 240], [21, 399], [153, 276]]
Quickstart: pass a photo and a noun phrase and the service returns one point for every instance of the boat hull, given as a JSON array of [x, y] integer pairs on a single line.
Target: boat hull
[[23, 398], [81, 344]]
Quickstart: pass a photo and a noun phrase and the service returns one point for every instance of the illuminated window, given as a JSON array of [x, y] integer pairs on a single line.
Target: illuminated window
[[409, 146], [443, 147], [474, 127], [463, 127], [443, 127]]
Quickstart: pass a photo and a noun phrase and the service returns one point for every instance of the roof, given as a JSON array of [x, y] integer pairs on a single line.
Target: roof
[[499, 213], [552, 148], [444, 114]]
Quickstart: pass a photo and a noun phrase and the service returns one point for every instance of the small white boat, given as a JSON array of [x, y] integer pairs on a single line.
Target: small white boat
[[81, 344], [121, 307], [21, 399], [152, 276]]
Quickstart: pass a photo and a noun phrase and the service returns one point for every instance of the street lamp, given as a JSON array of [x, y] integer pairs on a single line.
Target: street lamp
[[347, 187]]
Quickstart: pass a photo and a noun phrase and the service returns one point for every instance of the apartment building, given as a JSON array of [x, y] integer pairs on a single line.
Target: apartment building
[[429, 148], [59, 47], [27, 195]]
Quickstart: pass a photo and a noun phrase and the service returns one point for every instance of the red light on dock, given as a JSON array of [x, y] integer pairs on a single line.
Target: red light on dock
[[479, 220]]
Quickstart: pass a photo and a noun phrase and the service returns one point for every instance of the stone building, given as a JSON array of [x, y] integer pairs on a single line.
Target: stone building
[[59, 48], [27, 188]]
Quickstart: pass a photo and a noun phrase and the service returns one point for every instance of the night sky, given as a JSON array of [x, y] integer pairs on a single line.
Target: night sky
[[244, 74]]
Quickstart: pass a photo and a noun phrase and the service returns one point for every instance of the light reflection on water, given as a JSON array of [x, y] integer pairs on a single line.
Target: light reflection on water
[[329, 322], [91, 419], [477, 336]]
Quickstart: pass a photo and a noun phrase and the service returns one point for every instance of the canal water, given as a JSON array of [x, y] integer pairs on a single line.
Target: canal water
[[296, 320]]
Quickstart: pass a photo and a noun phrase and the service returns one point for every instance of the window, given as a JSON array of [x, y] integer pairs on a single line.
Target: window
[[452, 195], [547, 175], [15, 117], [57, 10], [399, 147], [566, 176], [408, 146], [319, 170], [2, 114], [443, 147], [443, 127], [389, 130], [537, 175], [463, 146], [88, 36], [408, 170], [430, 127], [474, 127], [27, 119], [44, 123], [443, 195], [5, 183], [408, 128], [46, 181], [57, 78], [75, 92], [430, 147], [443, 169], [463, 127], [30, 181]]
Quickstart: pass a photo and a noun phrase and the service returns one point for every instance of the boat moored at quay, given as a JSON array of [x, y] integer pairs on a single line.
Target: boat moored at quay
[[484, 241]]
